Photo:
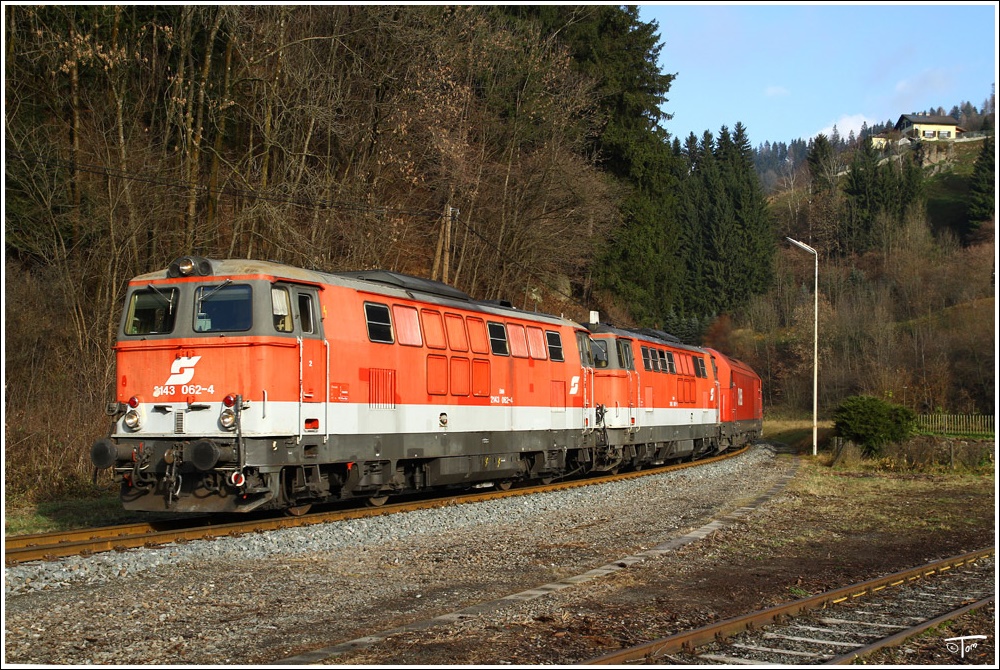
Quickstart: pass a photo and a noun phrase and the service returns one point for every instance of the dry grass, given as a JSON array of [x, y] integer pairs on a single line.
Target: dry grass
[[827, 505], [922, 454], [797, 433]]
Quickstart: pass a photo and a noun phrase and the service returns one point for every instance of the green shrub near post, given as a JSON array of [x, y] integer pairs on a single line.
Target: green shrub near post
[[873, 423]]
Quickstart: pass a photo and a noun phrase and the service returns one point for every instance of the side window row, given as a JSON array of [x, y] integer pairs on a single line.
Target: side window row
[[431, 328], [659, 360]]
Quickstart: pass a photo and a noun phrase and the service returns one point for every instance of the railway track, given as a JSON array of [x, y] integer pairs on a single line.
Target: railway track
[[836, 627], [52, 546]]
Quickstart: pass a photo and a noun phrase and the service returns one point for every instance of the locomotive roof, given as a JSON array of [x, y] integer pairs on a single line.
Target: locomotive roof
[[376, 281], [243, 266], [406, 286], [408, 282], [647, 334]]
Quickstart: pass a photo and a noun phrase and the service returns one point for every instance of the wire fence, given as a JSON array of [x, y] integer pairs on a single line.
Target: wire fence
[[979, 425]]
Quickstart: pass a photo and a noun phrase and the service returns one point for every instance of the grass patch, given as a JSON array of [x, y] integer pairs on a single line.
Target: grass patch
[[852, 500], [24, 518], [797, 433], [921, 454], [831, 517]]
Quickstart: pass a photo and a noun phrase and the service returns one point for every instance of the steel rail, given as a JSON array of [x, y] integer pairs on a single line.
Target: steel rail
[[902, 636], [52, 546], [719, 631], [18, 542]]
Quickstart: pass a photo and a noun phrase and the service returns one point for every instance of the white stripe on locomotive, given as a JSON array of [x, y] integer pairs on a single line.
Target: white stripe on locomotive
[[260, 419]]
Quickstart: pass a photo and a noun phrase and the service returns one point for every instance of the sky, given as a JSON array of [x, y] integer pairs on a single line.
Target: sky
[[791, 71]]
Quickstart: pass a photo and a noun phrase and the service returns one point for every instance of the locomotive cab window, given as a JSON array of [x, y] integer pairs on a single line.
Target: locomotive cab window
[[600, 348], [583, 343], [151, 311], [281, 310], [498, 339], [379, 323], [225, 307], [307, 315], [625, 355]]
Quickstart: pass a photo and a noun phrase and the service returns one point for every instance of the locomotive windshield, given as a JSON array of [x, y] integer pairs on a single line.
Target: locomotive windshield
[[223, 307], [151, 311], [600, 348]]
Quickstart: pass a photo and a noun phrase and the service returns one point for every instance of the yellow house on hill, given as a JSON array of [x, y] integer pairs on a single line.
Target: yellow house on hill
[[921, 127], [914, 127]]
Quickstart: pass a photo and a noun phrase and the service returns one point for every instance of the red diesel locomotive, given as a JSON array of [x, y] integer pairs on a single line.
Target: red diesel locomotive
[[245, 385]]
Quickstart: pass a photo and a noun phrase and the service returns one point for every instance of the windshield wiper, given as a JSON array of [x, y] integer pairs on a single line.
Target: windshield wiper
[[169, 301], [215, 290]]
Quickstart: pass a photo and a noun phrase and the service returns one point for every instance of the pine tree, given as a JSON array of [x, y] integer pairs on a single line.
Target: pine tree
[[694, 210], [728, 232], [722, 238], [755, 217], [982, 193], [862, 187], [640, 263], [821, 163]]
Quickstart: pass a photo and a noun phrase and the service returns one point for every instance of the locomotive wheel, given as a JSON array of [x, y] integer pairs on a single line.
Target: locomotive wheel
[[547, 480], [504, 485], [376, 501], [298, 510]]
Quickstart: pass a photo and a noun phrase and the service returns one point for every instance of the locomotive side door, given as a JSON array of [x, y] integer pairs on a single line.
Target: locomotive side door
[[313, 360], [626, 359], [586, 381], [719, 405]]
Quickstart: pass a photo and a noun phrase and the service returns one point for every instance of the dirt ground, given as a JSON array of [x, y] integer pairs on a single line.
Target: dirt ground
[[828, 529]]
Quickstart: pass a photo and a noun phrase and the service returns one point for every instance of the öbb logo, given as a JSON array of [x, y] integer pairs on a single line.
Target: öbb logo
[[182, 370]]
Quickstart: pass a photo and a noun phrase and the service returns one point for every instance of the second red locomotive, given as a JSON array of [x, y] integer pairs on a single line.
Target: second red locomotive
[[246, 385]]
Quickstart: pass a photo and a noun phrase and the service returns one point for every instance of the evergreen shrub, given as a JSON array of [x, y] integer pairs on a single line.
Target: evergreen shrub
[[873, 423]]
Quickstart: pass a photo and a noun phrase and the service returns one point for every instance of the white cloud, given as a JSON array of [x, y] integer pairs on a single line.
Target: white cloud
[[775, 91]]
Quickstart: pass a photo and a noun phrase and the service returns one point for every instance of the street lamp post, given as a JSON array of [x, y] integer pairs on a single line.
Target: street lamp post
[[807, 248]]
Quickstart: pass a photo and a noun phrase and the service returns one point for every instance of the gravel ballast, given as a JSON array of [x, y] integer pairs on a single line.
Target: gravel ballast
[[267, 596]]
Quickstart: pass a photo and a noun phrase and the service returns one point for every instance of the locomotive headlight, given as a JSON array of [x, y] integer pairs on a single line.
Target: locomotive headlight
[[227, 418], [132, 419], [186, 266]]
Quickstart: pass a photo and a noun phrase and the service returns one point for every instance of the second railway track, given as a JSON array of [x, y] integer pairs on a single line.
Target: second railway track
[[836, 627]]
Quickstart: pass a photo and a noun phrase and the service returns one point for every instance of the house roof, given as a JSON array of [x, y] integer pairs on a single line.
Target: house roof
[[924, 118]]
